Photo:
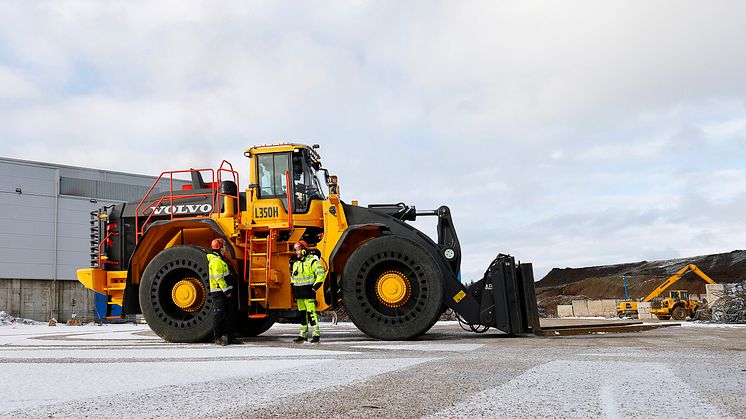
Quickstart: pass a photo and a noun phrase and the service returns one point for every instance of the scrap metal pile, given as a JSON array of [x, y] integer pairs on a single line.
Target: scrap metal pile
[[730, 308]]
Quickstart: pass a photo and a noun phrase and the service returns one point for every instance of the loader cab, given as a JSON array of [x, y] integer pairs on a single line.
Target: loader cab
[[679, 295], [274, 166]]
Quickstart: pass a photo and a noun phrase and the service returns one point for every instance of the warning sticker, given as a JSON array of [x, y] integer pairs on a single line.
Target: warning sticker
[[459, 296]]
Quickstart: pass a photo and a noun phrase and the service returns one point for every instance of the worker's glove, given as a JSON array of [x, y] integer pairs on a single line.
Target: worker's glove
[[317, 285]]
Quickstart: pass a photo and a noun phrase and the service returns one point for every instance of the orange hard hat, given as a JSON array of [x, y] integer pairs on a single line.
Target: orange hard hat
[[302, 244], [217, 244]]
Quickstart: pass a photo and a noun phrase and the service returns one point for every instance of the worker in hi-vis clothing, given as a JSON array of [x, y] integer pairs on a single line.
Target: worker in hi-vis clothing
[[307, 277], [221, 293]]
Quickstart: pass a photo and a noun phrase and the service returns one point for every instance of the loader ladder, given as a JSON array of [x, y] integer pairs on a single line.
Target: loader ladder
[[259, 275]]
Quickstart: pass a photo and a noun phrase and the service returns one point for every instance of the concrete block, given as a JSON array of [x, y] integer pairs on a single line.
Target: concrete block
[[595, 308], [564, 310], [714, 292], [609, 307], [643, 308], [645, 316], [580, 308]]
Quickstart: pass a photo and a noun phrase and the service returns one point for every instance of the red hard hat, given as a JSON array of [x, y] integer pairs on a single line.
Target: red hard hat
[[217, 244], [302, 244]]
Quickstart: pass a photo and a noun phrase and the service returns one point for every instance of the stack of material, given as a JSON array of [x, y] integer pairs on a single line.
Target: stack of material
[[729, 310], [727, 303]]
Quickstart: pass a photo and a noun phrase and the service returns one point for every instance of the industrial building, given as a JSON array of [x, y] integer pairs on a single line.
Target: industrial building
[[45, 215]]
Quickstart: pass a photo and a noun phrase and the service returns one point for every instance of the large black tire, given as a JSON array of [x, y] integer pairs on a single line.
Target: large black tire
[[164, 317], [409, 315], [679, 313], [254, 327]]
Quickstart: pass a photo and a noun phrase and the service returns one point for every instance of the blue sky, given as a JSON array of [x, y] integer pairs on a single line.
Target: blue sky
[[566, 133]]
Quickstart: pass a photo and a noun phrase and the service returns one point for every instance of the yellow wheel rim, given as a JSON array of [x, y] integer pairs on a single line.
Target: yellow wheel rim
[[393, 289], [189, 294]]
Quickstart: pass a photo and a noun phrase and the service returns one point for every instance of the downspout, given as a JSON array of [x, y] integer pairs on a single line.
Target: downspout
[[54, 304]]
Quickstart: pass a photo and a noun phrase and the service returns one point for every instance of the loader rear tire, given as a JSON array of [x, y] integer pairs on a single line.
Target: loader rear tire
[[392, 289], [167, 319]]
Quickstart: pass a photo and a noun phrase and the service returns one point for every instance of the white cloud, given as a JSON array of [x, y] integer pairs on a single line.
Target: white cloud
[[564, 133]]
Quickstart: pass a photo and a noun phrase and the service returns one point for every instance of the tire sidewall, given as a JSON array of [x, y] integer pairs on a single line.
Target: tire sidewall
[[366, 317], [178, 257]]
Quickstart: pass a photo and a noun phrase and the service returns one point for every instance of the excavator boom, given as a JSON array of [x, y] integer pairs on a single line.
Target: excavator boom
[[674, 278]]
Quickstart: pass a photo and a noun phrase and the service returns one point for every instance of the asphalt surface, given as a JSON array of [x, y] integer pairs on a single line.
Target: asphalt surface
[[126, 371]]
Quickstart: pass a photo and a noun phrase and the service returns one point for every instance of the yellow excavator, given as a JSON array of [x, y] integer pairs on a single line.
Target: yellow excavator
[[677, 305]]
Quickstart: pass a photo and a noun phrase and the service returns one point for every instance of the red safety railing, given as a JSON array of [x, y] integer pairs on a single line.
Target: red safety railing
[[170, 198], [101, 259]]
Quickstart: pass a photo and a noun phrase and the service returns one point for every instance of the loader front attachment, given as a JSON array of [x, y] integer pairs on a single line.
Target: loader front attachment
[[506, 298]]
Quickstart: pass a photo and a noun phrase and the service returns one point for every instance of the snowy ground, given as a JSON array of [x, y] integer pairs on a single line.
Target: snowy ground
[[126, 371]]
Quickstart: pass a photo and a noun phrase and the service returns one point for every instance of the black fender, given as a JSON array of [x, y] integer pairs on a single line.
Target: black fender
[[131, 300]]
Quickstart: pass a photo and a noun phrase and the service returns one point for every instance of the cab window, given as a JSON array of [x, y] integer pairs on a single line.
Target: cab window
[[271, 174], [306, 185]]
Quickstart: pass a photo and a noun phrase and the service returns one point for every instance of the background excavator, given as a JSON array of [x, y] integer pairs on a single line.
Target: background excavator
[[393, 280], [677, 305]]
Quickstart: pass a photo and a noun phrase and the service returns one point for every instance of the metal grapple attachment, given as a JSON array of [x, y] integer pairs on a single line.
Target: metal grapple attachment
[[506, 297]]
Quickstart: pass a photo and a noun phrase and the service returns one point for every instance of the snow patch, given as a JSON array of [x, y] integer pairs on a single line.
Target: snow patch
[[588, 389]]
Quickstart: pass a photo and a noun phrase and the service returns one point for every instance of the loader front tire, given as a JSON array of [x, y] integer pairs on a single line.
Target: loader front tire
[[174, 272], [678, 313], [392, 289]]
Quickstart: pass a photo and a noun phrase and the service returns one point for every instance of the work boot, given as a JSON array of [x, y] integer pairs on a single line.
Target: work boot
[[299, 339], [315, 339], [234, 341], [222, 341]]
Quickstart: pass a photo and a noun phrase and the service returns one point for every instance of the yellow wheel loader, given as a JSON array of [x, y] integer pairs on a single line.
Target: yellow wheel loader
[[677, 306], [394, 281]]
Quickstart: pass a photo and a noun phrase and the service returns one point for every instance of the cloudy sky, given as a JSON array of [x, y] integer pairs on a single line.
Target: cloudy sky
[[565, 133]]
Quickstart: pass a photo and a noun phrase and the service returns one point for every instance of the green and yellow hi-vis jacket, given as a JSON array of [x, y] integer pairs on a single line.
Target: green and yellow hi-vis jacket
[[307, 271], [218, 272]]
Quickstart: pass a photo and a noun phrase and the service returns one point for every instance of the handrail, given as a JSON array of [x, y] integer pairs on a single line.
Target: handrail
[[214, 193], [290, 202], [156, 204], [100, 260], [139, 231], [235, 180]]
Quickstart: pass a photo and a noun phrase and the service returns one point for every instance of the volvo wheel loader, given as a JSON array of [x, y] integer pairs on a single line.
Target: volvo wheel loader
[[394, 281]]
